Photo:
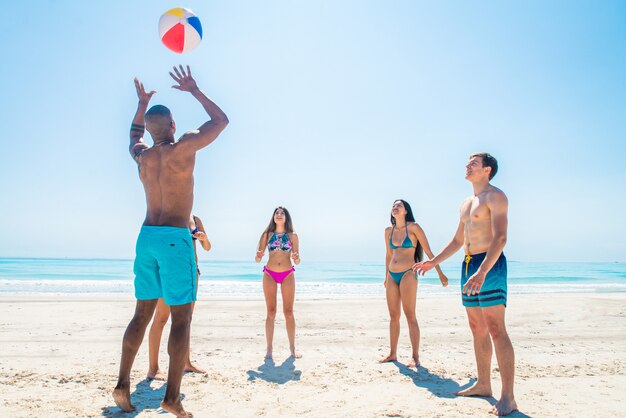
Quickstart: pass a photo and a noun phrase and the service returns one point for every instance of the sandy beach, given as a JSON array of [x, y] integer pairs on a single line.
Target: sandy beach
[[60, 357]]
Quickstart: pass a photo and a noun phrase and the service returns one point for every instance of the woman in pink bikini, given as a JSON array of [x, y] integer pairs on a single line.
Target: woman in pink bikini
[[283, 246]]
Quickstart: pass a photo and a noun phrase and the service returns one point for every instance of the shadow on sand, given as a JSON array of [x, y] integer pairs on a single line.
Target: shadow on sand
[[443, 387], [144, 397], [269, 372]]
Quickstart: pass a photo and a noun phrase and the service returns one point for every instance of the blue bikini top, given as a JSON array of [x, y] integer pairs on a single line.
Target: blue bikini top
[[407, 243], [195, 230], [279, 242]]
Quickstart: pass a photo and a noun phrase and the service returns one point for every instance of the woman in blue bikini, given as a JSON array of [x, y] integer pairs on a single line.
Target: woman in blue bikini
[[406, 243], [283, 247]]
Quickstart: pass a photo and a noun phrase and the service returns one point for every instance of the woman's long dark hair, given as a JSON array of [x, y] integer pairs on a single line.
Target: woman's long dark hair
[[419, 251], [288, 225]]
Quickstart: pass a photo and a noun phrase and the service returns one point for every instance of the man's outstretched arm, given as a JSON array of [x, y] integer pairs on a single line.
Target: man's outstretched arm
[[138, 127], [452, 247], [210, 130]]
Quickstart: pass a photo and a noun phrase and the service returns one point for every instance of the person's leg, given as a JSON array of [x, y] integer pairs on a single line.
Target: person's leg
[[177, 268], [130, 345], [269, 290], [189, 366], [482, 352], [161, 316], [392, 292], [177, 348], [494, 317], [408, 295], [288, 292]]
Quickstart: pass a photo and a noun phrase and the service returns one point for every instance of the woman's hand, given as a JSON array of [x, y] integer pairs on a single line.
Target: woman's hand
[[203, 239], [200, 236], [259, 256], [295, 257], [444, 280]]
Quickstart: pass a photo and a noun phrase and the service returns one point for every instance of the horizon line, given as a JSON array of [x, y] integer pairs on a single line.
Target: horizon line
[[311, 261]]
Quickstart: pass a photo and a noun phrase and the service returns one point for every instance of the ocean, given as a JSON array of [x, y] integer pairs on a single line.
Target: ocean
[[242, 279]]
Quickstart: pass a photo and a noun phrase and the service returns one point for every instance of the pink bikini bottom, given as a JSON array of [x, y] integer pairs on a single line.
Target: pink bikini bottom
[[278, 276]]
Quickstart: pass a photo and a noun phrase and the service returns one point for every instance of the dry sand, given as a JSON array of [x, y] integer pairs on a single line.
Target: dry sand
[[59, 357]]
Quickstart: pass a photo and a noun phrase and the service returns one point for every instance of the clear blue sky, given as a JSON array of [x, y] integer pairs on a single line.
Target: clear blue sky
[[336, 107]]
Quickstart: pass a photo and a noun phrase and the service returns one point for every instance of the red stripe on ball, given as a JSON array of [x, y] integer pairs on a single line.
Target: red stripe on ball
[[174, 38]]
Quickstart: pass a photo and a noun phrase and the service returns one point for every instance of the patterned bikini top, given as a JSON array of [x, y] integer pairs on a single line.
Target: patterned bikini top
[[279, 242]]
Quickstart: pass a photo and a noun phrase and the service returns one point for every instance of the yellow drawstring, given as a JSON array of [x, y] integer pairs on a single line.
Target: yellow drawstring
[[468, 258]]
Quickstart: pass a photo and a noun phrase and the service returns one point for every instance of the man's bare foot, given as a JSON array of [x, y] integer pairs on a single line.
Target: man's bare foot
[[388, 359], [192, 368], [415, 362], [268, 355], [295, 354], [122, 399], [504, 406], [476, 390], [176, 409], [158, 375]]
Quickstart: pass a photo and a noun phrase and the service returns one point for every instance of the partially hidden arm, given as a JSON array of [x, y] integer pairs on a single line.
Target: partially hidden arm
[[201, 234], [421, 236], [388, 254], [452, 247]]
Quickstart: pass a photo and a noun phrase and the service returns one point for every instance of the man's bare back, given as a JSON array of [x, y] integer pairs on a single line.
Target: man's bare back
[[166, 169], [166, 172]]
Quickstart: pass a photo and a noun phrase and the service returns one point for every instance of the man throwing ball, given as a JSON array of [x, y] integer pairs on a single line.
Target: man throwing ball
[[165, 265]]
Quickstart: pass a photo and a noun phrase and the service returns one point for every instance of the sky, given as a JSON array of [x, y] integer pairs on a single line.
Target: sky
[[336, 109]]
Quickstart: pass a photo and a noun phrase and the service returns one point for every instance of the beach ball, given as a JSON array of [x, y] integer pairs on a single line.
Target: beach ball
[[180, 30]]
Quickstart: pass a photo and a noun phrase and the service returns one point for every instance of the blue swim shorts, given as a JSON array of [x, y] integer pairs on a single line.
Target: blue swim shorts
[[165, 265], [494, 288]]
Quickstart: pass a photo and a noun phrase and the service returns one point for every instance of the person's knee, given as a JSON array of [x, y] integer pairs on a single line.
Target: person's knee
[[394, 316], [142, 318], [496, 329], [271, 312], [160, 320], [181, 315], [478, 327], [411, 320], [288, 312]]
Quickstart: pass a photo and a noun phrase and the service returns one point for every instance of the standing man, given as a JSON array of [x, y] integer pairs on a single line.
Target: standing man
[[165, 265], [482, 232]]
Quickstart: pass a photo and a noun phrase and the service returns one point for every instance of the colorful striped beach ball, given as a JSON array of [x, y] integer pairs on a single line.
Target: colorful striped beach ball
[[180, 30]]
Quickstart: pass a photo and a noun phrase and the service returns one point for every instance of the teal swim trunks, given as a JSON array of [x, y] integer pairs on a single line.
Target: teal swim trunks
[[493, 291], [165, 265]]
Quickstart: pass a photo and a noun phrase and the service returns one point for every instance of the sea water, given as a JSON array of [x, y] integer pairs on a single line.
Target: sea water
[[242, 279]]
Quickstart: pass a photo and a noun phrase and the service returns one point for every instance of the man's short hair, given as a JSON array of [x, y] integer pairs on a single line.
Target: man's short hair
[[158, 120], [158, 111], [488, 161]]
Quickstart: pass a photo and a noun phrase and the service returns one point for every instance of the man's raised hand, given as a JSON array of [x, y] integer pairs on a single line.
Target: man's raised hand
[[144, 97], [184, 79]]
